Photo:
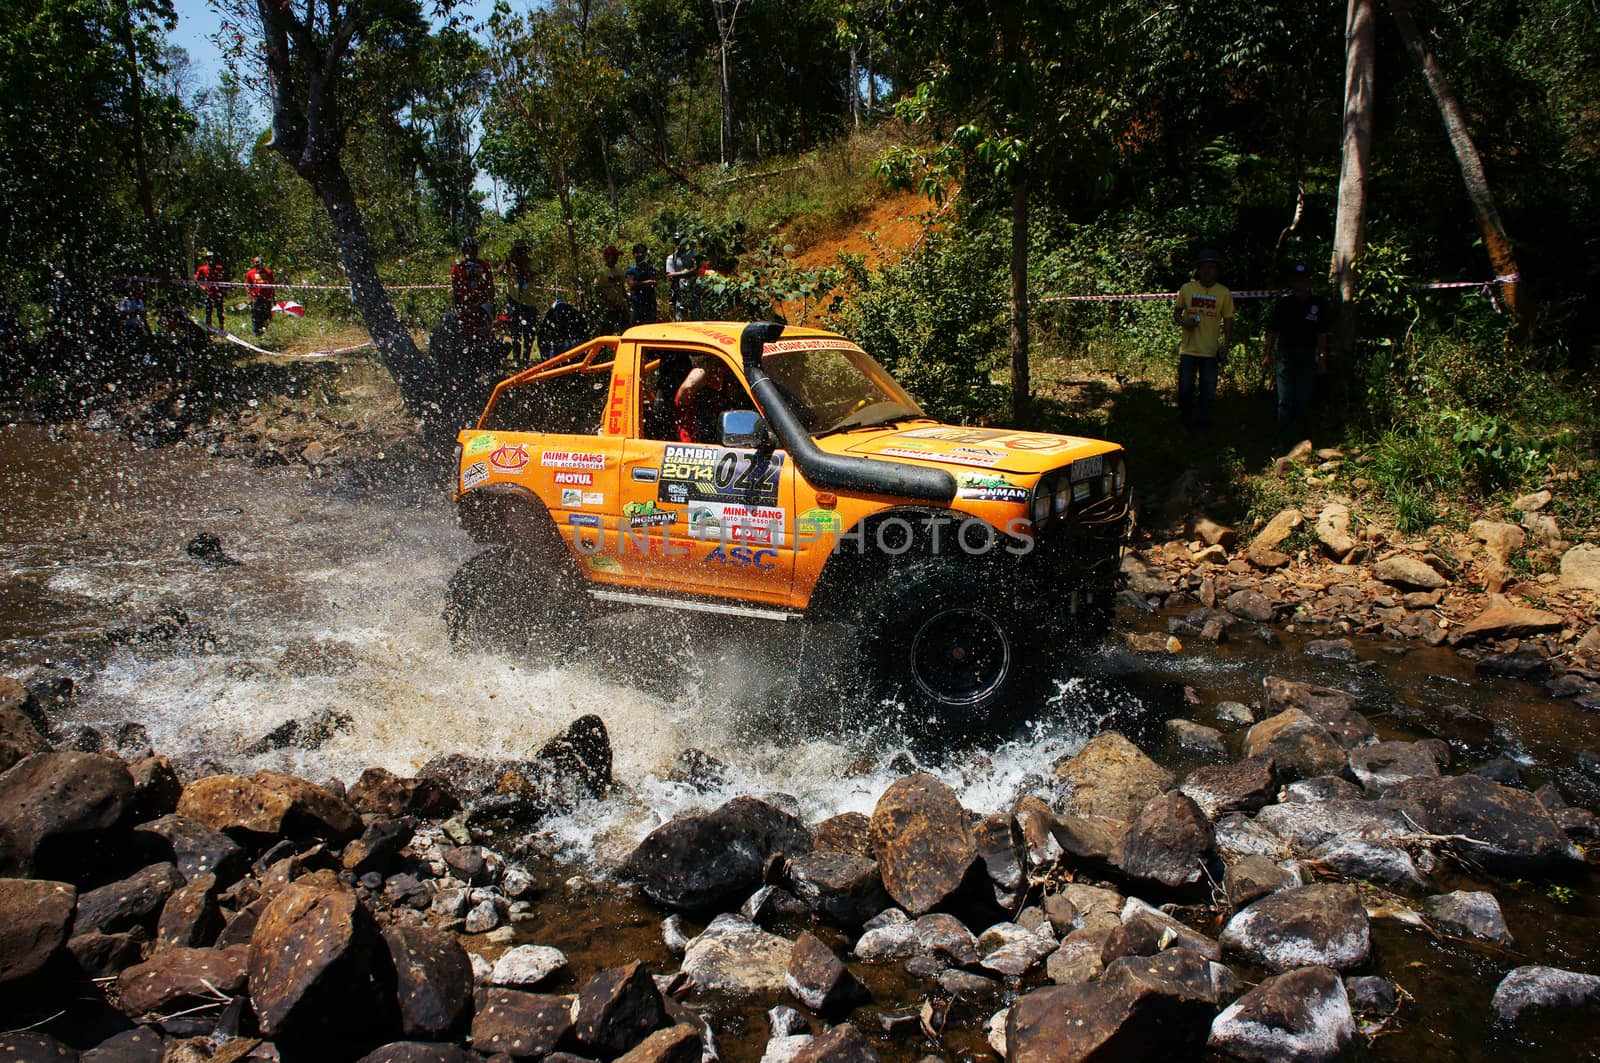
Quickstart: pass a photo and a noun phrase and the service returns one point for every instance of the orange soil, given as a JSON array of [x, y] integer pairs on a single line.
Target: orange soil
[[892, 224]]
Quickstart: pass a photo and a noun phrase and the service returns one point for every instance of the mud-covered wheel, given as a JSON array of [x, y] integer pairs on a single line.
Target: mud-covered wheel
[[505, 599], [949, 641]]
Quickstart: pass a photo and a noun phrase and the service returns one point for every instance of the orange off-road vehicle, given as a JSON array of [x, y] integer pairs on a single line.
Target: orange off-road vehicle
[[792, 479]]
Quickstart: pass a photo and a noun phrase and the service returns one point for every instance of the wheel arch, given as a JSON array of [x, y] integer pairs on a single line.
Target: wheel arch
[[512, 516]]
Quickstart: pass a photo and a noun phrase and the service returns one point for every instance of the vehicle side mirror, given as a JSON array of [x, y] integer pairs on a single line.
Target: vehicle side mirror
[[745, 428]]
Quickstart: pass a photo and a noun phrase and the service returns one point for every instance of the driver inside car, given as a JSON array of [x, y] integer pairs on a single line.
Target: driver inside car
[[708, 391]]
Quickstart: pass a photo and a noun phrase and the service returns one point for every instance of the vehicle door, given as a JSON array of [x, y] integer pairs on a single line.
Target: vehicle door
[[697, 516]]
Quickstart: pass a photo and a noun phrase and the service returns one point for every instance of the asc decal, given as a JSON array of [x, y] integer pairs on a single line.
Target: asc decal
[[575, 479], [717, 474], [646, 515], [482, 445], [510, 458], [743, 557], [988, 487], [572, 459], [473, 475]]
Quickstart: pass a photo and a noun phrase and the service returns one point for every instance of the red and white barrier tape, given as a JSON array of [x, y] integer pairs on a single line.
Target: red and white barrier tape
[[231, 338], [181, 282], [1263, 293]]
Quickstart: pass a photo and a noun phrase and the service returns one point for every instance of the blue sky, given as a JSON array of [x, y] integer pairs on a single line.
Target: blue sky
[[196, 23]]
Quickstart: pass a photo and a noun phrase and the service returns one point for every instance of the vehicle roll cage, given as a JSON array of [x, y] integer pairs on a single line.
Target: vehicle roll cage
[[581, 359]]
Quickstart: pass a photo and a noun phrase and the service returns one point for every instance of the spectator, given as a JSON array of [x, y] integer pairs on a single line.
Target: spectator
[[611, 289], [258, 281], [1204, 311], [683, 275], [131, 312], [562, 329], [522, 301], [209, 273], [472, 293], [1297, 331], [641, 287]]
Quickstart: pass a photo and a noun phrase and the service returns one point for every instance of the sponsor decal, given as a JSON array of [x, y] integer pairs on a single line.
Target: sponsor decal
[[646, 515], [736, 523], [953, 434], [814, 523], [719, 474], [721, 337], [473, 475], [482, 444], [743, 557], [604, 563], [509, 458], [594, 498], [583, 520], [572, 459], [984, 458], [571, 496], [646, 476], [617, 404], [1087, 468], [990, 487], [575, 479], [816, 343], [980, 454], [1033, 441]]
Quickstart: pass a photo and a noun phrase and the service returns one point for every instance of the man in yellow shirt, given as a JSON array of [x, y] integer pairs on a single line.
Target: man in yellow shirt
[[611, 286], [1204, 311]]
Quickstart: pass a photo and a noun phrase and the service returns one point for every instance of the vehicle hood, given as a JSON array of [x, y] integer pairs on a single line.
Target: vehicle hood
[[1001, 449]]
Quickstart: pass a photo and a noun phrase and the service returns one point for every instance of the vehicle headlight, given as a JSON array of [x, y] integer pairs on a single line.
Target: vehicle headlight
[[1061, 498], [1117, 477], [1039, 509]]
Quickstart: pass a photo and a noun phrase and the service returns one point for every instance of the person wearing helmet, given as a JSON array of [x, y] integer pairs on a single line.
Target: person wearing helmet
[[208, 274], [258, 280], [472, 293], [683, 275], [611, 292], [522, 300], [562, 329]]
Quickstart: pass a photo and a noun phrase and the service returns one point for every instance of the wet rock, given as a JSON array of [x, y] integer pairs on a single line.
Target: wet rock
[[841, 1044], [675, 1044], [1303, 1015], [268, 803], [580, 760], [1310, 926], [1333, 531], [1371, 995], [733, 955], [473, 864], [1061, 913], [1145, 931], [924, 846], [19, 736], [1333, 709], [35, 1048], [1533, 988], [525, 966], [1373, 855], [382, 793], [1243, 786], [1305, 826], [1141, 579], [819, 979], [1527, 665], [1097, 908], [53, 804], [377, 847], [1238, 836], [842, 887], [1197, 736], [106, 955], [156, 788], [133, 901], [433, 981], [138, 1045], [1088, 838], [1000, 848], [521, 1025], [1509, 830], [1408, 573], [699, 860], [1386, 764], [1320, 789], [1580, 568], [1234, 712], [771, 903], [310, 733], [190, 919], [310, 961], [619, 1007], [198, 850], [1124, 1019], [182, 976], [848, 832], [1505, 622], [1176, 976], [1297, 745], [1112, 778], [1254, 877], [1074, 962], [1467, 913], [481, 917], [1010, 950], [1167, 843], [420, 1052], [35, 922], [890, 941], [1250, 605], [1332, 650], [1035, 825], [946, 937]]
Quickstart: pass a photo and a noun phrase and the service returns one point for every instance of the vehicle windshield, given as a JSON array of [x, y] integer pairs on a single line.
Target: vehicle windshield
[[834, 387]]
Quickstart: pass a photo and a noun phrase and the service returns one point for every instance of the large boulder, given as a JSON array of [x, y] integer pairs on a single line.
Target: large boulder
[[848, 832], [520, 1025], [1333, 530], [1333, 709], [269, 803], [924, 845], [1243, 786], [198, 850], [1111, 777], [382, 793], [1297, 746], [1580, 568], [843, 887], [617, 1008], [20, 736], [1310, 926], [1492, 826], [1386, 764], [1168, 843], [1506, 622], [433, 981], [698, 861], [178, 976], [1142, 1012], [733, 955], [1301, 1016], [134, 901], [311, 969], [1408, 573], [570, 768], [35, 922], [1536, 988], [819, 979], [52, 803]]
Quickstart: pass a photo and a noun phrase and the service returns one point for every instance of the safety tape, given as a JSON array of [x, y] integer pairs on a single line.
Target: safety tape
[[180, 282], [231, 338], [1265, 293]]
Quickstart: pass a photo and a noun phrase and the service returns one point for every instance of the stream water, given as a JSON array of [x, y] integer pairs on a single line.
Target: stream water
[[333, 613]]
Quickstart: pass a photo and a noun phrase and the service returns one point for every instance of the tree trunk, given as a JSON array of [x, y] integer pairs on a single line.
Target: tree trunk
[[141, 163], [1020, 384], [1501, 256], [1350, 224], [396, 348], [855, 85]]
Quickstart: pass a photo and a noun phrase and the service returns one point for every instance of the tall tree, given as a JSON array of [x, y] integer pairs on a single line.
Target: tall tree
[[1350, 224], [311, 56], [1495, 240]]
